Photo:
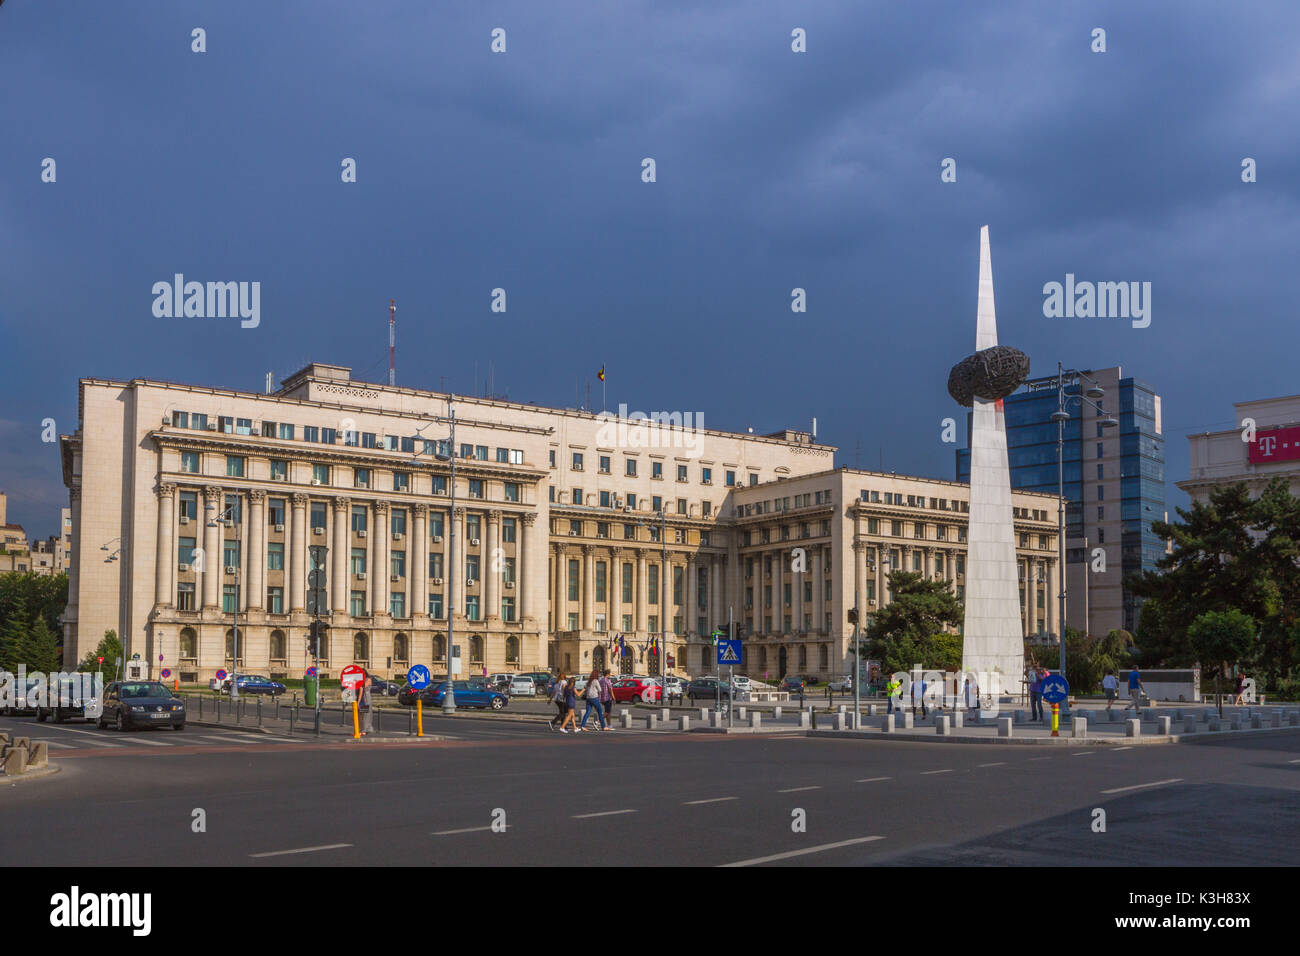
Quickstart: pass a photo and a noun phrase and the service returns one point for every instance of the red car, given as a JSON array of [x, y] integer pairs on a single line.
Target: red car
[[636, 690]]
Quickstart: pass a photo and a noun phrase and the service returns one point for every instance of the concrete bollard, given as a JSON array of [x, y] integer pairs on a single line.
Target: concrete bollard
[[1189, 724], [1004, 726], [805, 719], [839, 721], [1162, 726], [22, 743], [908, 720], [840, 710], [38, 755], [1020, 717], [15, 761], [1079, 728], [1133, 728], [665, 715], [776, 713], [716, 719], [871, 710], [625, 720], [756, 720], [651, 721], [704, 715], [1212, 723], [942, 726], [887, 724], [741, 712], [1275, 720], [1234, 722], [957, 718], [1293, 719], [1256, 721], [683, 722]]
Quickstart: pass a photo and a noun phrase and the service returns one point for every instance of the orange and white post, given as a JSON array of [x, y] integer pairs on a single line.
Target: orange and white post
[[419, 717], [356, 719]]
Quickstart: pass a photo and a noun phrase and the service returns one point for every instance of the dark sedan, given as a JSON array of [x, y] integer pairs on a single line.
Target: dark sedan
[[467, 695], [792, 684], [385, 688], [132, 704], [707, 688], [252, 684]]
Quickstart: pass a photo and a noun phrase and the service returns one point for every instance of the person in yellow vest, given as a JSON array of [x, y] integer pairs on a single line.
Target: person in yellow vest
[[892, 690]]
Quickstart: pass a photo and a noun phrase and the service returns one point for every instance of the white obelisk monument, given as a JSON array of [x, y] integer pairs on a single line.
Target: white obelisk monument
[[992, 636]]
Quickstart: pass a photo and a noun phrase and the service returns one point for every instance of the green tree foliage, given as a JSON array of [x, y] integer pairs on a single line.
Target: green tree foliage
[[26, 637], [909, 630], [110, 648], [1220, 639], [1233, 552]]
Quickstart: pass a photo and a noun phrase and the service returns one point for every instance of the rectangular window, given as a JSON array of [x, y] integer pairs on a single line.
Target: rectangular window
[[604, 499], [439, 484], [681, 506], [181, 419], [476, 488], [631, 502], [573, 580], [320, 474], [508, 609], [435, 605], [552, 457], [357, 603], [279, 469], [361, 478], [275, 600], [471, 567], [473, 526], [508, 572], [629, 532], [481, 452], [189, 502], [604, 464], [678, 580], [436, 519], [390, 442], [317, 519], [275, 511], [358, 518], [510, 490], [516, 456], [229, 598], [285, 431], [656, 503], [577, 461], [397, 562], [600, 581], [654, 623], [234, 466], [652, 579], [398, 521], [225, 424], [471, 607], [397, 604], [629, 467], [185, 551], [199, 421], [502, 455], [731, 479], [1101, 512], [577, 496], [275, 556], [190, 462], [328, 436], [656, 469], [310, 433], [508, 530], [401, 481], [681, 473], [358, 560], [230, 554], [369, 440], [435, 564], [573, 621], [627, 583], [753, 478]]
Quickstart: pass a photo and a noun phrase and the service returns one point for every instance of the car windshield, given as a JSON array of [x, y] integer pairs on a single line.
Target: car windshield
[[151, 689]]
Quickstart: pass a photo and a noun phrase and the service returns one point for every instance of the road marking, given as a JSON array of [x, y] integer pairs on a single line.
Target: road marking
[[926, 773], [1031, 759], [798, 789], [696, 803], [1293, 761], [1083, 753], [998, 763], [305, 849], [603, 813], [59, 746], [811, 849], [1118, 749], [463, 830], [74, 730], [1143, 786], [145, 743], [241, 738], [872, 779]]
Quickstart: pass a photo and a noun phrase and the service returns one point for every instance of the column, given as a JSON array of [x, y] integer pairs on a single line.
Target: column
[[778, 590], [257, 550], [860, 578], [212, 556], [523, 566], [1053, 597], [588, 587], [880, 576], [559, 621], [734, 579], [642, 593], [614, 584], [164, 589], [819, 589], [796, 611], [457, 561], [379, 563], [1031, 594], [417, 571], [299, 566], [492, 573], [241, 581], [929, 564], [339, 582], [692, 611]]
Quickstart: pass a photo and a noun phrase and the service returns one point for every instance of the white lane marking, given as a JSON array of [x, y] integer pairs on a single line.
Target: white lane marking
[[603, 813], [1031, 759], [1143, 786], [996, 763], [696, 803], [811, 849], [463, 830], [798, 789], [240, 738], [926, 773], [59, 746], [74, 730], [1293, 761], [1118, 749], [145, 743], [305, 849], [1083, 753], [872, 779], [225, 740]]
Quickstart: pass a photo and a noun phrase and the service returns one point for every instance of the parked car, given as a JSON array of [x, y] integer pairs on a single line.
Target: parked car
[[523, 686], [25, 699], [67, 701], [385, 688], [130, 704], [706, 688], [637, 690], [792, 684], [844, 685], [541, 680], [253, 684], [500, 682], [676, 687], [811, 679], [467, 695], [741, 683]]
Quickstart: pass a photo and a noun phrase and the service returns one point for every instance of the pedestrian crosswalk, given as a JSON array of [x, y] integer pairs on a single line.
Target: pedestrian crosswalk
[[72, 738]]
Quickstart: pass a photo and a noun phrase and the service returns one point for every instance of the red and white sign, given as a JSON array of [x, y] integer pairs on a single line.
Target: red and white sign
[[352, 675], [1279, 444]]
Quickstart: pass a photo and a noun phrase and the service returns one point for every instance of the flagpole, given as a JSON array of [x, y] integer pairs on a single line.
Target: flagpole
[[603, 406]]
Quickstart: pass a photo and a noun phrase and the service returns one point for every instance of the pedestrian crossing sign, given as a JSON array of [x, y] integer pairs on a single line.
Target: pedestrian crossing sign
[[728, 652]]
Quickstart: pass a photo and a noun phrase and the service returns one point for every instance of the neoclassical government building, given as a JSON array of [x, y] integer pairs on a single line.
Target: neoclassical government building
[[196, 507]]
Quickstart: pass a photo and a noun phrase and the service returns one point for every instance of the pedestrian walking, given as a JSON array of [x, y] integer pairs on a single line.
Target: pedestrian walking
[[591, 693], [918, 694], [1035, 693], [1110, 684], [570, 706], [1241, 690], [607, 699], [557, 698], [972, 693], [363, 705], [1134, 689], [892, 693]]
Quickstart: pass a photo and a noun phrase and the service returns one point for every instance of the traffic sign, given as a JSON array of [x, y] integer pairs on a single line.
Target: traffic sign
[[311, 672], [166, 672], [352, 675], [316, 580], [728, 651], [135, 656], [160, 657], [418, 677], [221, 674], [1055, 689]]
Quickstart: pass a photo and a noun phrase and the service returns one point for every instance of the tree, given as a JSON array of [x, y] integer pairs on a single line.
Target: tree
[[110, 648], [909, 630], [43, 648], [1221, 638]]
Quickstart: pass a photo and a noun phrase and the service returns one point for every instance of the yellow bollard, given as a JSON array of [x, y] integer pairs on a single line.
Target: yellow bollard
[[419, 717], [1056, 720], [356, 724]]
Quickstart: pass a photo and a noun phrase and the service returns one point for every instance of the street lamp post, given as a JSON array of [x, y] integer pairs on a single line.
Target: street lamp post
[[215, 522], [449, 695], [1061, 416]]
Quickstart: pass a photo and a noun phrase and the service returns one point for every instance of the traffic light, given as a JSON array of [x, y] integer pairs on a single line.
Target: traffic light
[[315, 635], [853, 615]]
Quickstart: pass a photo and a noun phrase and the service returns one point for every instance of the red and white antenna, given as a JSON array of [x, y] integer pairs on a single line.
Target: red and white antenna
[[392, 341]]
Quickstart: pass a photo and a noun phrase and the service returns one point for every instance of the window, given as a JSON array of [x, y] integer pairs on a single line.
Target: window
[[552, 457], [681, 473], [284, 431], [390, 443], [435, 565], [471, 568], [516, 456], [605, 499], [508, 609], [629, 467], [361, 478], [397, 520], [185, 551], [600, 582], [577, 496], [476, 488], [328, 436], [656, 503], [508, 572], [351, 438], [473, 526], [1099, 471], [706, 476], [225, 424], [310, 433], [435, 605], [358, 518], [317, 519], [181, 419], [185, 596], [320, 474], [189, 501], [753, 478], [190, 462], [502, 454], [275, 511], [573, 580], [510, 490], [199, 421], [229, 598], [508, 526], [275, 600], [439, 484], [656, 469], [397, 562], [1101, 493], [1101, 512], [436, 519], [401, 481], [275, 556], [357, 603], [481, 452], [1101, 535], [577, 461], [279, 469], [471, 607], [604, 464], [629, 532], [358, 560], [681, 506], [731, 479], [652, 579], [575, 527], [397, 604], [369, 440], [627, 583], [631, 502], [230, 554], [234, 466]]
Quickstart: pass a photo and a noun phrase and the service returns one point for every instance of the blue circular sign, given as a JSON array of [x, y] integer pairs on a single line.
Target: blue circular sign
[[221, 674], [1055, 689], [166, 672], [418, 677], [311, 672]]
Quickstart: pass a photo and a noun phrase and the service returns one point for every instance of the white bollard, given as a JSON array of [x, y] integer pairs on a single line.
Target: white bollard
[[704, 715], [1162, 726], [805, 720], [741, 711], [839, 721], [776, 713], [651, 721], [957, 717], [1189, 724], [942, 726], [756, 720], [887, 724], [1079, 727], [1004, 726], [1133, 728], [625, 719], [908, 720], [683, 722], [664, 714]]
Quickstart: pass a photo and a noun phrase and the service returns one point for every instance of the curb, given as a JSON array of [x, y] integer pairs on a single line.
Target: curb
[[28, 774], [212, 724]]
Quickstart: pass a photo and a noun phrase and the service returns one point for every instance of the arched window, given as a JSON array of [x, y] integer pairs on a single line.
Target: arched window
[[360, 647], [803, 656], [439, 647], [825, 658], [598, 657], [401, 648], [189, 644], [476, 649], [512, 650], [762, 658], [277, 645], [230, 644]]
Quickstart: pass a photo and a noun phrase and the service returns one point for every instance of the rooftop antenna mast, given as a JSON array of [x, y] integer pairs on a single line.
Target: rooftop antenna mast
[[392, 341]]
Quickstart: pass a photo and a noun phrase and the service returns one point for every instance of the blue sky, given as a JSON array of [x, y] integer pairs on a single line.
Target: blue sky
[[522, 170]]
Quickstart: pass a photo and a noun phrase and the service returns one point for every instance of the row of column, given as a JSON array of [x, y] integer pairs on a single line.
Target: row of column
[[816, 570]]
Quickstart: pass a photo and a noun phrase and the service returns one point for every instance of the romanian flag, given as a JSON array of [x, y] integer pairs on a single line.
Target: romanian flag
[[601, 374]]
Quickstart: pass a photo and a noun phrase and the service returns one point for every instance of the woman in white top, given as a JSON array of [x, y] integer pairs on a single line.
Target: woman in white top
[[1110, 684]]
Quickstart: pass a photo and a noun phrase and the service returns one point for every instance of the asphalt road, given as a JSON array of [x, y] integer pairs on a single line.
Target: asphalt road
[[658, 799]]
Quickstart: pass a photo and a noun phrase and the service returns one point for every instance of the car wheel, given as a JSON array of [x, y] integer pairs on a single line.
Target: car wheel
[[636, 698], [59, 716], [101, 723], [178, 726], [41, 715], [498, 703], [120, 723]]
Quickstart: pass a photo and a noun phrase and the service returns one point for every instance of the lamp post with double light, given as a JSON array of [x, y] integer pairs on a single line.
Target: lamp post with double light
[[233, 513], [449, 693]]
